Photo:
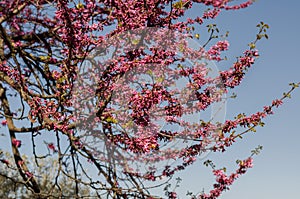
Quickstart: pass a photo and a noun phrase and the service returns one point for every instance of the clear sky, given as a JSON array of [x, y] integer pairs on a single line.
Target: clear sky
[[276, 171]]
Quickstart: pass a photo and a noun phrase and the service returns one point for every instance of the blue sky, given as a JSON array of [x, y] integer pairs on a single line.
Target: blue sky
[[275, 174]]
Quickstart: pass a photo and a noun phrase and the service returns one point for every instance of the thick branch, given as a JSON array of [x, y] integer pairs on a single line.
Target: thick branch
[[21, 165]]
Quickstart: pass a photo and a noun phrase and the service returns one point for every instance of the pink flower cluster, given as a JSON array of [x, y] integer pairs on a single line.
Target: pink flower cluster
[[215, 51], [142, 102], [242, 5], [235, 74], [4, 122], [16, 143], [211, 13], [224, 181], [52, 147], [277, 102], [223, 4]]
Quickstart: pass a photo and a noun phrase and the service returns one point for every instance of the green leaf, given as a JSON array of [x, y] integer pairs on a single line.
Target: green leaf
[[111, 120], [79, 6], [267, 26], [234, 95], [149, 72], [160, 79], [253, 129], [288, 95], [178, 5], [252, 46], [294, 85], [266, 36], [262, 124], [181, 47], [257, 150], [209, 163], [224, 169], [241, 115], [258, 36], [135, 41]]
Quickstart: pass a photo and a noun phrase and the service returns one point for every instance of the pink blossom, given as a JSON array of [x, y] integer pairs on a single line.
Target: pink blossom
[[224, 181], [277, 102], [4, 122], [20, 162], [16, 143], [211, 13], [172, 195], [52, 147], [215, 51], [29, 174]]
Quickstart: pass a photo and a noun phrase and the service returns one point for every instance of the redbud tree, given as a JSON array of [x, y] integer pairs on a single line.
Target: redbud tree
[[112, 90]]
